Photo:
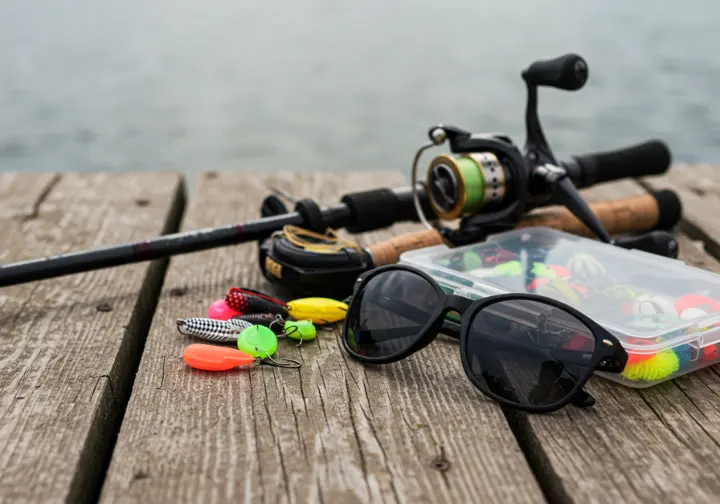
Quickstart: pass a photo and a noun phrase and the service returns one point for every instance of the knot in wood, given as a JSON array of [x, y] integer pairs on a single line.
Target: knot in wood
[[103, 307], [440, 464], [178, 291]]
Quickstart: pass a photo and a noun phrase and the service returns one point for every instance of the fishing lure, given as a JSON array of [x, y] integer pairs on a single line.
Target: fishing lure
[[265, 319], [510, 268], [496, 255], [543, 270], [252, 301], [515, 268], [584, 265], [301, 330], [659, 366], [559, 288], [659, 307], [222, 331], [240, 302], [219, 310], [261, 341], [318, 310], [217, 358], [258, 341]]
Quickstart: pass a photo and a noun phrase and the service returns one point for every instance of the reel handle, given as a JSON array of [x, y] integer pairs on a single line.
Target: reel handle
[[568, 72]]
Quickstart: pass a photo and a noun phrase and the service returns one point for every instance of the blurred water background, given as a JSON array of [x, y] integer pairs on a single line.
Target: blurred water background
[[339, 85]]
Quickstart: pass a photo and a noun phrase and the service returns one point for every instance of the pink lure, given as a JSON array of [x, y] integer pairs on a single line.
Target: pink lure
[[219, 310]]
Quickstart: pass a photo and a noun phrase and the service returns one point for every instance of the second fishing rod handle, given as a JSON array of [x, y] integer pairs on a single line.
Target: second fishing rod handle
[[645, 212], [634, 214], [388, 252]]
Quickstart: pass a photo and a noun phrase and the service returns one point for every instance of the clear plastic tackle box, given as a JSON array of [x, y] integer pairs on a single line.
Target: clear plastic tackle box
[[665, 313]]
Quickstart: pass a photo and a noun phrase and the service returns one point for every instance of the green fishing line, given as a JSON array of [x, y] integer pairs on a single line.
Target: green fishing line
[[472, 175]]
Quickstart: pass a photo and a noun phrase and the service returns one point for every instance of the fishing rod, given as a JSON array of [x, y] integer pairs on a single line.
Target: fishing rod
[[306, 263], [488, 183], [380, 208]]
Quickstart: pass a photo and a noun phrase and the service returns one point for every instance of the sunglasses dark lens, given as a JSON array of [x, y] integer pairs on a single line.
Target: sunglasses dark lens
[[388, 313], [529, 352]]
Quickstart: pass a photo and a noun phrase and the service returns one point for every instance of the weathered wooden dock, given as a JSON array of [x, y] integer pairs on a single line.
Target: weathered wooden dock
[[97, 405]]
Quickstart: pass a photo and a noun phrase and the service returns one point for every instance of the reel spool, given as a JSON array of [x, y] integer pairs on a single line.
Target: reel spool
[[483, 181], [460, 185]]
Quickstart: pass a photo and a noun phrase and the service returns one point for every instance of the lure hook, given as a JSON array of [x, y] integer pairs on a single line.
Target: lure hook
[[278, 320], [287, 334], [289, 363]]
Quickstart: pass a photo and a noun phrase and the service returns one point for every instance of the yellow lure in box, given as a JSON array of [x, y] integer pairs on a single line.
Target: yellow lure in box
[[319, 310]]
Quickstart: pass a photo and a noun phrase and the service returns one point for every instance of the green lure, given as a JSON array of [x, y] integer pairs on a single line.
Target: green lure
[[258, 341], [300, 330]]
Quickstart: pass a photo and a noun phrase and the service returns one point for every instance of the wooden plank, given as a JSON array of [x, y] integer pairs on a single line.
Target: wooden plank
[[660, 444], [699, 188], [69, 346], [335, 431]]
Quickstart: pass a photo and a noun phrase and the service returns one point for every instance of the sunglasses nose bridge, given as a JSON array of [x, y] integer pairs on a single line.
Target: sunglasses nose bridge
[[457, 303]]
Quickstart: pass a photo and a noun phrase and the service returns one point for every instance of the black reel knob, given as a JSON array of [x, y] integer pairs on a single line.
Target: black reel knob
[[568, 72]]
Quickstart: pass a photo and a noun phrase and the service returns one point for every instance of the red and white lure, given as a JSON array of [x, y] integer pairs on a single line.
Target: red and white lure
[[239, 302]]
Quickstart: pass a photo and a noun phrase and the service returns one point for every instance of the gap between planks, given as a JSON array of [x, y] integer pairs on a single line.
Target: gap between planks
[[62, 404], [336, 431], [650, 445]]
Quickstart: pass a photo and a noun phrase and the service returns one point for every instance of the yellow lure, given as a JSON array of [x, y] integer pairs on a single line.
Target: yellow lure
[[319, 310]]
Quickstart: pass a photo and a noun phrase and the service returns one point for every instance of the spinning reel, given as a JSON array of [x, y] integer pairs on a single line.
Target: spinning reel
[[488, 183]]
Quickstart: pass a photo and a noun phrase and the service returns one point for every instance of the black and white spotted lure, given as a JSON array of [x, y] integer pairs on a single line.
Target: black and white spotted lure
[[222, 331]]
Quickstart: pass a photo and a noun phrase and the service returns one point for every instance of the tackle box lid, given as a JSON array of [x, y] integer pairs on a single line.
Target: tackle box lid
[[648, 302]]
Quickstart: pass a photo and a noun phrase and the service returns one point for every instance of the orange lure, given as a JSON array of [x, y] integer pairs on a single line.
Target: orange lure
[[215, 358]]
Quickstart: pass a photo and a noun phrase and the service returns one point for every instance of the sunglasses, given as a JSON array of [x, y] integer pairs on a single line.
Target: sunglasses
[[525, 351]]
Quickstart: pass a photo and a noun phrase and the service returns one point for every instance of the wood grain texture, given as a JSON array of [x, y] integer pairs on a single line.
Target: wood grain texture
[[660, 444], [334, 431], [699, 190], [65, 366]]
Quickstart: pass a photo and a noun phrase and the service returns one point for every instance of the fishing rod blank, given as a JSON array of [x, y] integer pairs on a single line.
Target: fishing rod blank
[[356, 213]]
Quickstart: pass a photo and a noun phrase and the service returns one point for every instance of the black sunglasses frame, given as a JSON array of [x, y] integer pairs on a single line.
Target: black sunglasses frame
[[608, 354]]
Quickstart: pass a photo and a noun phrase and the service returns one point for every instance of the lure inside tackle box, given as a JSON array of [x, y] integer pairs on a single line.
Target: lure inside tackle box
[[665, 313]]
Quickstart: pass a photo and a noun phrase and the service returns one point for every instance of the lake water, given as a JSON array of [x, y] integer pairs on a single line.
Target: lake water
[[335, 85]]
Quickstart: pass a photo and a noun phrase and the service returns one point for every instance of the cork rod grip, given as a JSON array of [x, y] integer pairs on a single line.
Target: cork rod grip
[[638, 213]]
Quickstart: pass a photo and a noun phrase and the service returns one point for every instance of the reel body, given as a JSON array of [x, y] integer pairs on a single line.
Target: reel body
[[488, 183], [315, 264]]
